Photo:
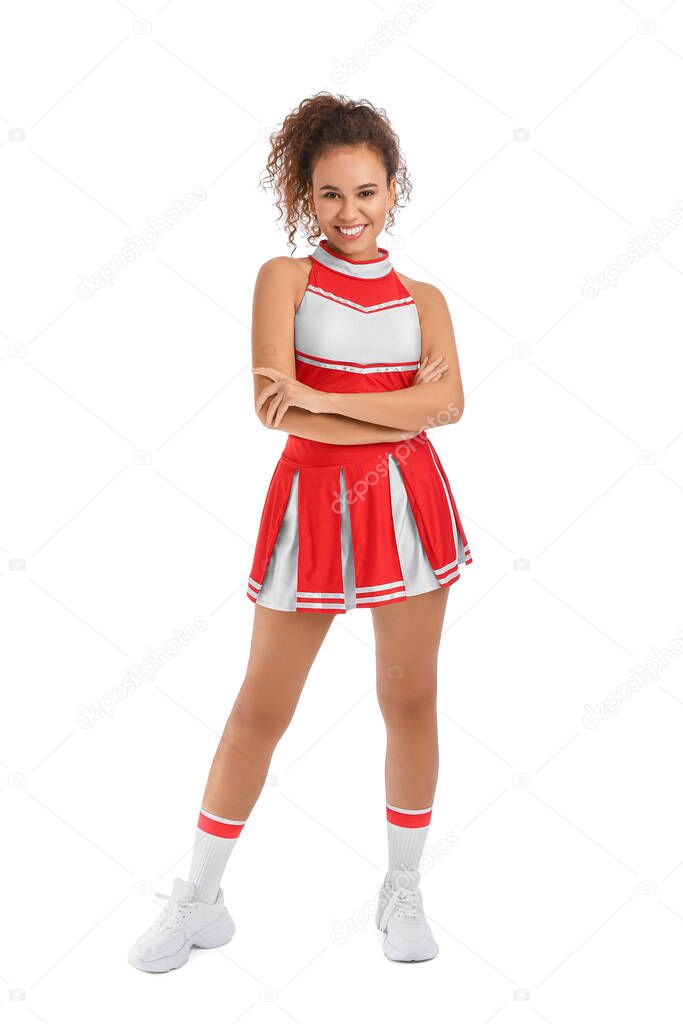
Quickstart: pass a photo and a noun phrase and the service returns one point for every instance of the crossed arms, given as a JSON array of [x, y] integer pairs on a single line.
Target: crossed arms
[[281, 402]]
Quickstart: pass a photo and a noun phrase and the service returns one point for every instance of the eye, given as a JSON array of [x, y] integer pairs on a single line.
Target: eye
[[368, 192], [329, 195]]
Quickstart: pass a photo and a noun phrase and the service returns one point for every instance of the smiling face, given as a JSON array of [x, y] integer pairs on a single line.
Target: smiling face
[[350, 198]]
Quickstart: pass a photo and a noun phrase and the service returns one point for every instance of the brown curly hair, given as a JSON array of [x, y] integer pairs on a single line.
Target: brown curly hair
[[322, 122]]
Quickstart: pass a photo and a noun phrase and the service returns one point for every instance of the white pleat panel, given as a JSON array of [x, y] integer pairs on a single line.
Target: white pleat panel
[[418, 574], [348, 566], [279, 583]]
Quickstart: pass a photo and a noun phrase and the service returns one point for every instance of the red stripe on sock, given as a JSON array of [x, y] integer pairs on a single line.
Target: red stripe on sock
[[218, 828], [408, 820]]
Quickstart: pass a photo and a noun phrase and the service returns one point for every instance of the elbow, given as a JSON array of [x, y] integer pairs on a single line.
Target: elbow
[[457, 411], [456, 407], [447, 413]]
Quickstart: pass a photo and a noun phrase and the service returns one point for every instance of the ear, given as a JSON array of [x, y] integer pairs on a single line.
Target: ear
[[391, 194]]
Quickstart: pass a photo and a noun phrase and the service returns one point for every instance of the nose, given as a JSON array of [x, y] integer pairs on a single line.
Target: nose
[[348, 213]]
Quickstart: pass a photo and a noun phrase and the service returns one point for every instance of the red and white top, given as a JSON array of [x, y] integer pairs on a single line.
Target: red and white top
[[350, 526], [356, 328]]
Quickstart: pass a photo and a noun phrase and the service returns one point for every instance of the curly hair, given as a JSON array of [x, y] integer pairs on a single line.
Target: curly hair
[[320, 123]]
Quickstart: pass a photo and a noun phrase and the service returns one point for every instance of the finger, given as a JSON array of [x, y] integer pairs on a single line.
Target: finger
[[270, 389], [281, 409], [284, 406], [268, 405], [271, 411], [276, 402]]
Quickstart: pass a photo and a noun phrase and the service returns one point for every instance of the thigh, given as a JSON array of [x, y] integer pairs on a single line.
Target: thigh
[[283, 648], [407, 637]]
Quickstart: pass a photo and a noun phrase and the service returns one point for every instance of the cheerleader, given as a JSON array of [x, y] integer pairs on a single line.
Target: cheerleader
[[353, 362]]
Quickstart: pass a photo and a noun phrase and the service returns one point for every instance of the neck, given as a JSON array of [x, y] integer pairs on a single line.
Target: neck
[[365, 267], [366, 255]]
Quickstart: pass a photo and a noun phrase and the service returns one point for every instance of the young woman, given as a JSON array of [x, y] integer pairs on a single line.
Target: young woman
[[353, 361]]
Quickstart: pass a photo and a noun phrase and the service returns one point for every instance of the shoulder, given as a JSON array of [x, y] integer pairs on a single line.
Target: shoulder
[[428, 298], [286, 274], [283, 268]]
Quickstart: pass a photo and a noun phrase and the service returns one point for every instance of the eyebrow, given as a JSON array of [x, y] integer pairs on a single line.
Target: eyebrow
[[368, 184]]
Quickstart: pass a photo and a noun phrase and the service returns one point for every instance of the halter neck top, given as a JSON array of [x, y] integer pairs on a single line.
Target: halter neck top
[[357, 326]]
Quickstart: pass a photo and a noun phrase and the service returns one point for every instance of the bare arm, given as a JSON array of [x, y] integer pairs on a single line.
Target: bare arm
[[272, 344], [335, 429], [413, 408]]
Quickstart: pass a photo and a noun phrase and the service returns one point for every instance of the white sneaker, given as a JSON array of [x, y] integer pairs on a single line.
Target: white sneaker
[[184, 922], [400, 917]]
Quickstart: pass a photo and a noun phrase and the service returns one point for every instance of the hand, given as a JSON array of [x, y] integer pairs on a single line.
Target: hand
[[285, 392], [430, 371]]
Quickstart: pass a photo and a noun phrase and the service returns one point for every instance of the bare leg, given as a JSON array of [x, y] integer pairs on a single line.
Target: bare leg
[[407, 636], [283, 648]]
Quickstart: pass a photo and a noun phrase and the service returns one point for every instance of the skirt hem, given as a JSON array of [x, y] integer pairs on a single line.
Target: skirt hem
[[373, 604]]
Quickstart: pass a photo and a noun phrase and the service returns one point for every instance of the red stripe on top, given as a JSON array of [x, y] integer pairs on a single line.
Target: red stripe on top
[[219, 828], [325, 378], [364, 291], [408, 820]]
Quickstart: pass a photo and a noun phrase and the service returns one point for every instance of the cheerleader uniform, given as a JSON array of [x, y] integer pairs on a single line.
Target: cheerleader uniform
[[355, 525]]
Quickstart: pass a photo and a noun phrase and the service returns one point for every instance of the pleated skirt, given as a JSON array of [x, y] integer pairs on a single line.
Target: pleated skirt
[[355, 526]]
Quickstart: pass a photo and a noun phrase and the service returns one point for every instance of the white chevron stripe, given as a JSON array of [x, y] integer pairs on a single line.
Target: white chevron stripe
[[403, 301], [385, 368]]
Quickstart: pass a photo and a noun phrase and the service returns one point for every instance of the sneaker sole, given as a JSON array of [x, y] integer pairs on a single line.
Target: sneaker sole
[[391, 953], [208, 938]]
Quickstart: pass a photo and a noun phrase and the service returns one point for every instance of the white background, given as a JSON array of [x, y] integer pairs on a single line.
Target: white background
[[555, 887]]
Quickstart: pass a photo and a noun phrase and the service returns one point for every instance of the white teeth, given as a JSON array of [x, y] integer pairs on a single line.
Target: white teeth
[[352, 231]]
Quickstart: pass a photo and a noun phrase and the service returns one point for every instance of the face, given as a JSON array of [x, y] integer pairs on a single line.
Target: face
[[350, 199]]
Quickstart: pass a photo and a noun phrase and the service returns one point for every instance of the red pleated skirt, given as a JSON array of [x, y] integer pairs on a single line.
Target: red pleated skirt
[[350, 526]]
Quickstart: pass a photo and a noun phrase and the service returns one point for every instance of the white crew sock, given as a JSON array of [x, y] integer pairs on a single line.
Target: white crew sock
[[407, 832], [214, 842]]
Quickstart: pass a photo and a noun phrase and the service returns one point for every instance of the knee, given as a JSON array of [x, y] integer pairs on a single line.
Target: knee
[[257, 721], [403, 702]]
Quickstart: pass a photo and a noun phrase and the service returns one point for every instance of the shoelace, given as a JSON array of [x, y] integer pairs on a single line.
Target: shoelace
[[406, 903], [174, 912]]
